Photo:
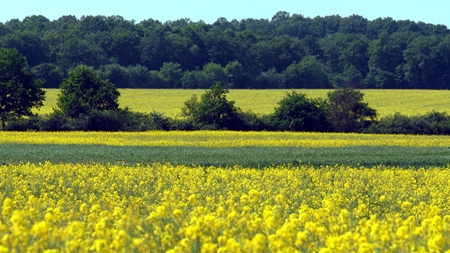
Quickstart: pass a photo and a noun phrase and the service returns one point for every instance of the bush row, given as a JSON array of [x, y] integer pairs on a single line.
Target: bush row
[[432, 123]]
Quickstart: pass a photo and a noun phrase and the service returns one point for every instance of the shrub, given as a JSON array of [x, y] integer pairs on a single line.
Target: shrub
[[431, 123], [347, 111], [296, 112], [213, 111]]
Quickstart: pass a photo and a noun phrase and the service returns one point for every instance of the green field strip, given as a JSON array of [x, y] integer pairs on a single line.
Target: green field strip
[[248, 156]]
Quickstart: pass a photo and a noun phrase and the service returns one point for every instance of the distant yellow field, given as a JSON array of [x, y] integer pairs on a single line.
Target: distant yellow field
[[170, 102], [223, 139]]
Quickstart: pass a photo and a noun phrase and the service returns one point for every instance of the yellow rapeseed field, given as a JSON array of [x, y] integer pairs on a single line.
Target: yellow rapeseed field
[[170, 102], [220, 139], [164, 208]]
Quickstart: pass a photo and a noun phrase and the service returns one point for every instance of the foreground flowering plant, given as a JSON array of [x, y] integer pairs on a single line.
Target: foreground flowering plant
[[165, 208]]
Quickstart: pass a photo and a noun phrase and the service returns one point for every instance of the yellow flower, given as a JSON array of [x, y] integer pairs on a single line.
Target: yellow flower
[[406, 205], [41, 229], [403, 232], [100, 245], [7, 207], [4, 249], [209, 248], [233, 246], [259, 243], [436, 243]]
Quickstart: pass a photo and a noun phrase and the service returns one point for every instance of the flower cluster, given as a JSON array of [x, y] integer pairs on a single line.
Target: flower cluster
[[165, 208]]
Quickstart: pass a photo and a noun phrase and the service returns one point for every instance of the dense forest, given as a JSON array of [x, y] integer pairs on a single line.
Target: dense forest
[[287, 51]]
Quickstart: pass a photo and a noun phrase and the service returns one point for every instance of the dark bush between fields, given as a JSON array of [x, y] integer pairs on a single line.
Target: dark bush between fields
[[433, 123], [112, 120]]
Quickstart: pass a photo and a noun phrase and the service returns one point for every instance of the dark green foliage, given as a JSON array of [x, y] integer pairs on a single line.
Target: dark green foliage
[[95, 120], [211, 73], [386, 60], [139, 77], [49, 72], [55, 121], [347, 112], [85, 91], [252, 122], [427, 62], [433, 123], [29, 44], [170, 75], [159, 121], [270, 79], [296, 112], [308, 73], [31, 123], [19, 90], [236, 75], [116, 74], [380, 53], [213, 111]]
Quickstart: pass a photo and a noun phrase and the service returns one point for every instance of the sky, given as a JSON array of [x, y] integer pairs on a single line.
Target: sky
[[428, 11]]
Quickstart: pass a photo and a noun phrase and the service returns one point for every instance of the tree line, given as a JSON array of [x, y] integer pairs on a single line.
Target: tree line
[[287, 51], [89, 103]]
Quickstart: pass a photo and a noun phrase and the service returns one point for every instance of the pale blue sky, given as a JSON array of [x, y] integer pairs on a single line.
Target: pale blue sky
[[428, 11]]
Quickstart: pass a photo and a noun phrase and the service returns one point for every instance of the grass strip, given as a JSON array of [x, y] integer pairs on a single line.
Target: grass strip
[[368, 156]]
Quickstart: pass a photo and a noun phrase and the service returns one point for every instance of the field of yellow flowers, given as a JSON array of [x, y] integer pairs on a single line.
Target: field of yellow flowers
[[126, 206], [165, 208], [223, 139], [170, 102]]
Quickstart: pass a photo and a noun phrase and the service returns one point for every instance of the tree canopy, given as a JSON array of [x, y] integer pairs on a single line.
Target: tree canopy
[[347, 112], [286, 51], [85, 91], [19, 90], [297, 112], [213, 110]]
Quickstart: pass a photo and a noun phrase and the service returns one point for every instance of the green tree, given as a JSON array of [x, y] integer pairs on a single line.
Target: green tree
[[215, 73], [153, 47], [49, 72], [386, 59], [116, 74], [428, 62], [124, 48], [270, 79], [85, 91], [347, 56], [296, 112], [170, 74], [19, 91], [29, 44], [278, 53], [139, 77], [347, 112], [80, 52], [379, 26], [211, 73], [353, 24], [308, 73], [236, 75], [3, 30], [213, 110]]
